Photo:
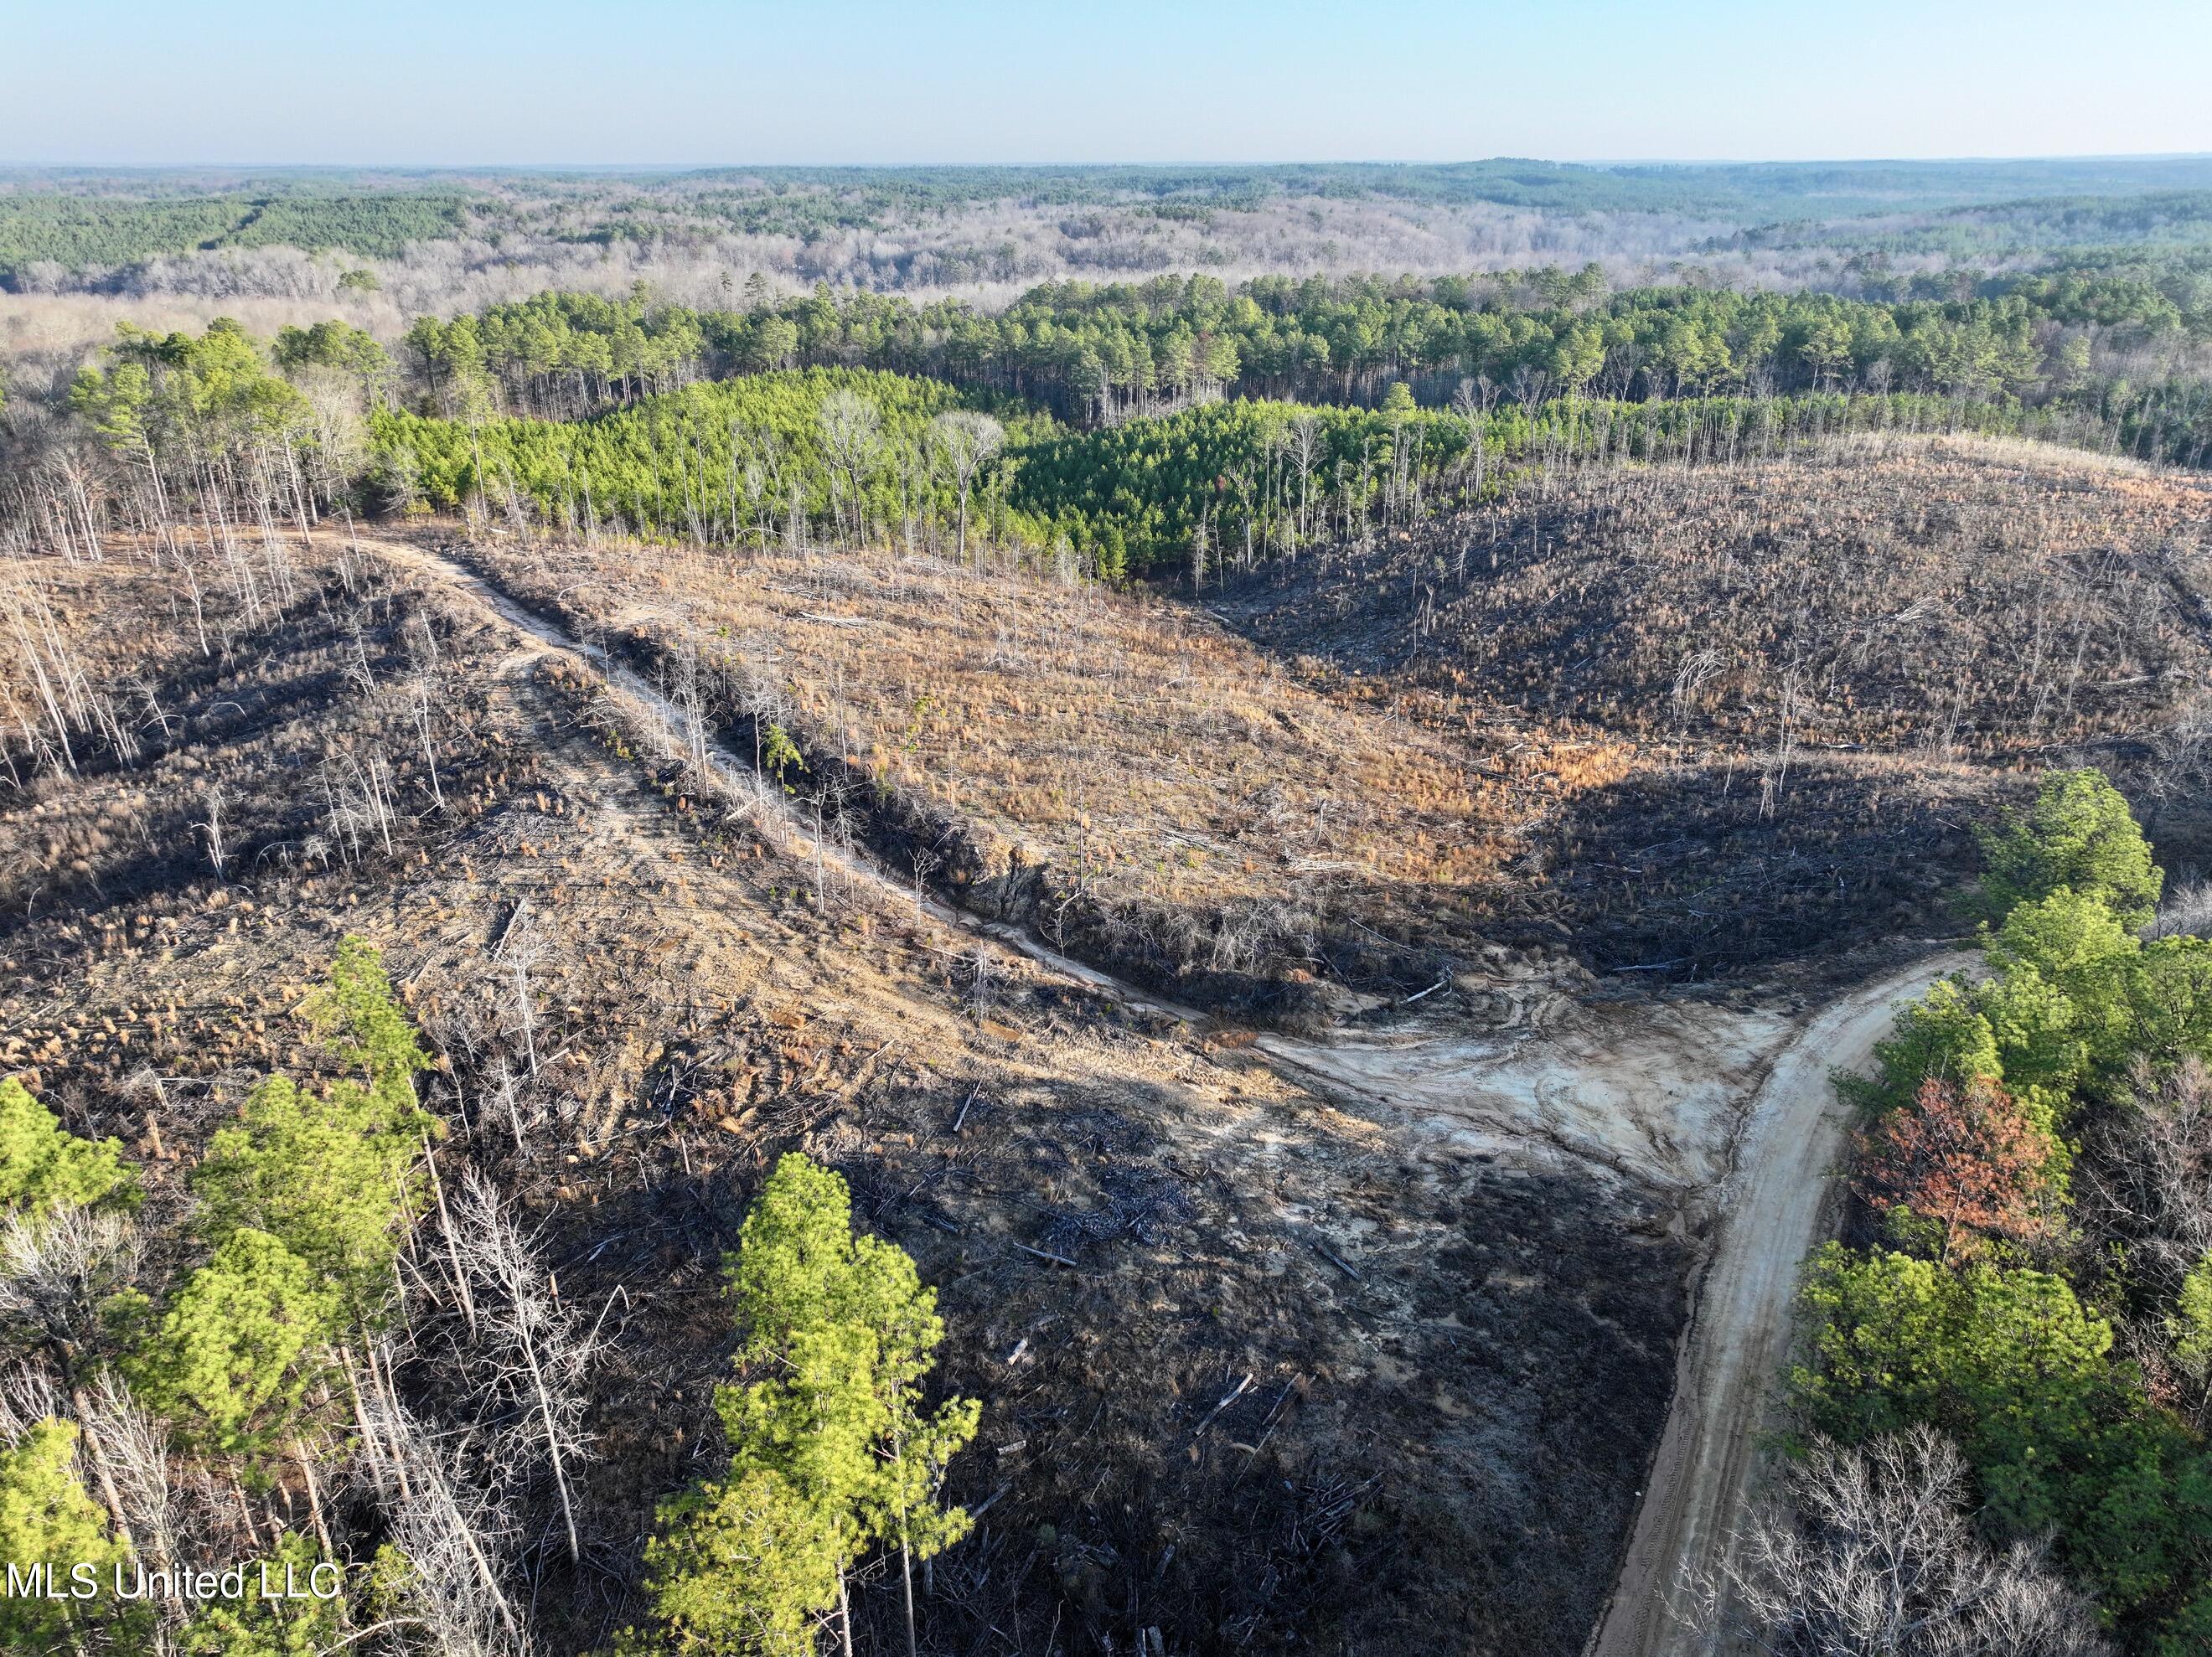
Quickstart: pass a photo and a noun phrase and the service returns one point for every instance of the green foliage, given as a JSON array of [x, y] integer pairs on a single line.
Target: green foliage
[[779, 754], [78, 231], [43, 1166], [45, 1514], [185, 399], [374, 226], [744, 1564], [2058, 1004], [830, 1451], [2079, 834], [1145, 487], [362, 1024], [566, 354], [2008, 1363], [334, 344], [735, 460], [828, 1304], [331, 1175], [2001, 1359], [272, 1625], [232, 1356], [1094, 352], [2076, 996], [1677, 370], [2005, 1358], [2191, 1326], [1944, 1034]]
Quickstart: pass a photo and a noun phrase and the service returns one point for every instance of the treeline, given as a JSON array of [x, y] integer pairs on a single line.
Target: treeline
[[1097, 353], [2031, 1271], [320, 415], [562, 356], [2070, 226], [1246, 481], [77, 232], [222, 424], [839, 452], [225, 423], [769, 458]]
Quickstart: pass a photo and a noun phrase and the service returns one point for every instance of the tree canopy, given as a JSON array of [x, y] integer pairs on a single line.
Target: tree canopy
[[43, 1165], [831, 1452]]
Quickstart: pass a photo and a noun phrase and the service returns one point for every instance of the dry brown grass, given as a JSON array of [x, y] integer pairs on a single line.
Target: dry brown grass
[[1450, 1439], [1818, 672], [1698, 722], [1933, 596], [1095, 762]]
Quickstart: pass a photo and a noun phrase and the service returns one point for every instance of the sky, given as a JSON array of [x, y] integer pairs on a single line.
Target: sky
[[563, 82]]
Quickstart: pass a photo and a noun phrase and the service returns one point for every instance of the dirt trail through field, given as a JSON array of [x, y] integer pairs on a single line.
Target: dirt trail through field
[[1772, 1206], [1657, 1095], [741, 777]]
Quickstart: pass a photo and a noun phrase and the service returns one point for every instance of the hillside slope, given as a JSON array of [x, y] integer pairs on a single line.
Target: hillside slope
[[1144, 790], [1820, 664], [639, 997]]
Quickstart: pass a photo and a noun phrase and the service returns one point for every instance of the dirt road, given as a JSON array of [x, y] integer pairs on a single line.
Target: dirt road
[[1651, 1094], [1773, 1206], [539, 635]]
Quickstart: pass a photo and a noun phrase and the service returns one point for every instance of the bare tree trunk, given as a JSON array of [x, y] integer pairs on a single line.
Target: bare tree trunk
[[314, 1498], [98, 1456]]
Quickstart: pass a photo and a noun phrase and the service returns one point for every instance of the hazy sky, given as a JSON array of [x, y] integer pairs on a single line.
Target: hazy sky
[[472, 81]]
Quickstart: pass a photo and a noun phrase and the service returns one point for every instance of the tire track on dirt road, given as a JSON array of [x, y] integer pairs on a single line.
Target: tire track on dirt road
[[1774, 1206], [1772, 1202]]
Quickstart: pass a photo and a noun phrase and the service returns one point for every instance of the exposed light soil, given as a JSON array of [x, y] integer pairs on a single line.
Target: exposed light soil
[[1729, 1110], [1436, 1264], [1458, 1353]]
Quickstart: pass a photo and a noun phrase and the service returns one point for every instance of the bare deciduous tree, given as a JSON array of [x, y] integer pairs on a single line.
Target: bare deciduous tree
[[535, 1346], [451, 1534], [132, 1447], [1873, 1554], [56, 1269], [853, 434], [2148, 1177], [964, 442]]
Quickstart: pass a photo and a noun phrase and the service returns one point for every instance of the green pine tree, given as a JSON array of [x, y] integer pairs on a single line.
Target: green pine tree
[[272, 1626], [831, 1452], [232, 1356], [44, 1166], [45, 1514], [2079, 833], [745, 1563], [331, 1175]]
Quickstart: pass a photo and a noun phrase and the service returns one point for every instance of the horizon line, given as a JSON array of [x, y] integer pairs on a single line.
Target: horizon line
[[1608, 162]]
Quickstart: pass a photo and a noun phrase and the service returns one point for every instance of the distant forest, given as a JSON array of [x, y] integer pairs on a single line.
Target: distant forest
[[61, 228], [642, 352]]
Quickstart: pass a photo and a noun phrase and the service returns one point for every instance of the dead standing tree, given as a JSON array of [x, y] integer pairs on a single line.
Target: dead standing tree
[[1875, 1556], [452, 1534], [528, 1343], [965, 442]]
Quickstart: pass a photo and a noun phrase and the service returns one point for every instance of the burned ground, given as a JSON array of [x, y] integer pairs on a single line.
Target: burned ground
[[1112, 770], [1444, 1374], [1816, 670]]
